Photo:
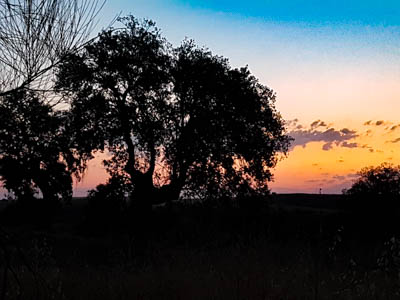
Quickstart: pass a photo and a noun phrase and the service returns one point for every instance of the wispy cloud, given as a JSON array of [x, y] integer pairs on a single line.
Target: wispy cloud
[[377, 123], [368, 123], [394, 127], [318, 123], [352, 175], [394, 141], [349, 145], [319, 131]]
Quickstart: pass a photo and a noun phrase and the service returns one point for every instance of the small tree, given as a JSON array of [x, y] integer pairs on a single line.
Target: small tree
[[377, 189]]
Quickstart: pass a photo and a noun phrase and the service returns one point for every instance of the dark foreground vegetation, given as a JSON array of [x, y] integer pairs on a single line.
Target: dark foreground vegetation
[[270, 250], [177, 123]]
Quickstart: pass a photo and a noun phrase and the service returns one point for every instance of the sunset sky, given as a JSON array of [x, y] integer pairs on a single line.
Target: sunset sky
[[335, 68]]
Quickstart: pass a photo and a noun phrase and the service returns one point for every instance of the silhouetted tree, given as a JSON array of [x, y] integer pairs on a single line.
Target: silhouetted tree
[[173, 119], [119, 90], [224, 132], [37, 151], [35, 36], [377, 189]]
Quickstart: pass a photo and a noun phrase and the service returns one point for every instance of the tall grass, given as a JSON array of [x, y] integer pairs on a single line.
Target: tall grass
[[213, 254]]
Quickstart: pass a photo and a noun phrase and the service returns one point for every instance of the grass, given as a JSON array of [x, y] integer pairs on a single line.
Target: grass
[[203, 253]]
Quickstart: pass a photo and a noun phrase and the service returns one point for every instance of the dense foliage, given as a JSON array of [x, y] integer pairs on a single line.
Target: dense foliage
[[174, 120], [36, 148], [377, 188]]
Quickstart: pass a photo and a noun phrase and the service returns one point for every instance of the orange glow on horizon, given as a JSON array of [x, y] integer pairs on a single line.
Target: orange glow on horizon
[[308, 167]]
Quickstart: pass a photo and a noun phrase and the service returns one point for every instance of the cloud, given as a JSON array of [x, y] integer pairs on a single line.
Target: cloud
[[317, 124], [377, 123], [366, 146], [352, 175], [330, 181], [345, 131], [292, 123], [395, 141], [330, 136], [394, 127], [313, 180], [327, 146], [349, 145]]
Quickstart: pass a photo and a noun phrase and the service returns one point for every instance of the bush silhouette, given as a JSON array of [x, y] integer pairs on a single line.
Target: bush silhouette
[[377, 190], [107, 204]]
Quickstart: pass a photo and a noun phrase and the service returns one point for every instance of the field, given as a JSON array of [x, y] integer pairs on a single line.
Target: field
[[291, 247]]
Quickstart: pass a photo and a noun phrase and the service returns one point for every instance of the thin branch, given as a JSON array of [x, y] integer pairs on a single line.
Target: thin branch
[[36, 35]]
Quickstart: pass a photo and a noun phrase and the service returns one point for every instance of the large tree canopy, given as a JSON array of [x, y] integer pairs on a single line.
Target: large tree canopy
[[173, 119]]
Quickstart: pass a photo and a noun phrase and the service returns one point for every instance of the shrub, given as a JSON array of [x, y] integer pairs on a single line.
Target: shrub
[[107, 203], [377, 189]]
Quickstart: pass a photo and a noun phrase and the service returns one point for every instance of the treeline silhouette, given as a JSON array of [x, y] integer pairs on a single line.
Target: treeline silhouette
[[176, 122]]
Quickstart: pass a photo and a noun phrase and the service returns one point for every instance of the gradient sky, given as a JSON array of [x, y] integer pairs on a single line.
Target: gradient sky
[[334, 62]]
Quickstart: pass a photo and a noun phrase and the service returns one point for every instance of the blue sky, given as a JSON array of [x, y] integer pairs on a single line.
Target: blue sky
[[311, 12], [294, 47], [314, 12]]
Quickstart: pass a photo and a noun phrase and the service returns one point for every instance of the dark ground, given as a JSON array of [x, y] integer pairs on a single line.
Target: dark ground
[[297, 246]]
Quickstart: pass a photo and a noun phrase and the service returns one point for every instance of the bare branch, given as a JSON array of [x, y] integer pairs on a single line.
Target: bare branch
[[35, 35]]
